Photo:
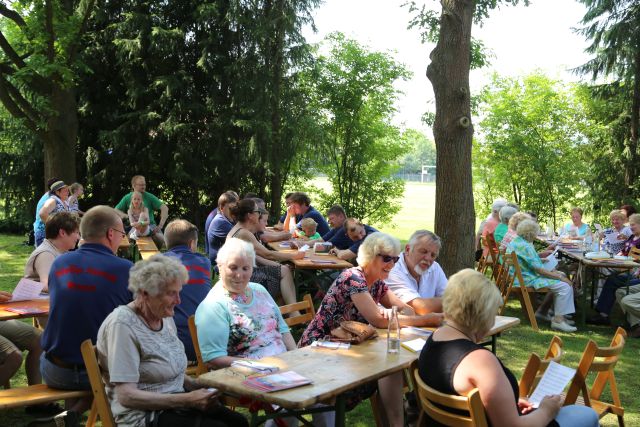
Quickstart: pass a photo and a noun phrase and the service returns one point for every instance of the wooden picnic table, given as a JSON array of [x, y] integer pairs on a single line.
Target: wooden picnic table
[[311, 261], [145, 247], [40, 304], [332, 372]]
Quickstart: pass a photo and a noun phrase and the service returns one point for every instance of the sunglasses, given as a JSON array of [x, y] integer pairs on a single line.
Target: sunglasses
[[389, 258]]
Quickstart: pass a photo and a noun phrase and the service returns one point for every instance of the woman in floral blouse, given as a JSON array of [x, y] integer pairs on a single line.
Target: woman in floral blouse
[[355, 295]]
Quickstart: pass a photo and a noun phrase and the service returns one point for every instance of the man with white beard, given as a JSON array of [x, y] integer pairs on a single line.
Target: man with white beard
[[417, 279]]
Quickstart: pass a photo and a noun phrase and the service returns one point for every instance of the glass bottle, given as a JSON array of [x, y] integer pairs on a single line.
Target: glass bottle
[[393, 332]]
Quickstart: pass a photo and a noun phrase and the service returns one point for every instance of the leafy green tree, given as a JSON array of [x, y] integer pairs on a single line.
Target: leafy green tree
[[532, 147], [419, 150], [354, 95]]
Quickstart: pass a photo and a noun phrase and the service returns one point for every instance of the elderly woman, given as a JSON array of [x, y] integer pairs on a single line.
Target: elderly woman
[[576, 229], [608, 295], [511, 233], [57, 202], [616, 235], [145, 361], [277, 278], [506, 212], [453, 363], [355, 295], [536, 276]]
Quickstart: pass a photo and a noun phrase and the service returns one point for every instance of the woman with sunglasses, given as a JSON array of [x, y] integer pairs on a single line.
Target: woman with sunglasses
[[355, 295]]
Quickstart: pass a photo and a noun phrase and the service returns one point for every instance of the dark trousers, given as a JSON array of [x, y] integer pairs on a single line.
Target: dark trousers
[[608, 295], [217, 417]]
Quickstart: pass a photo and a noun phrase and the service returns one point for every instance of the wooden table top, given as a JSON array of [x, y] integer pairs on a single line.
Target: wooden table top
[[146, 244], [124, 243], [41, 304], [312, 261], [332, 371]]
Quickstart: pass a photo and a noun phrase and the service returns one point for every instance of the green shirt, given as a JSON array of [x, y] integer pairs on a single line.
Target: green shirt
[[151, 202], [499, 232]]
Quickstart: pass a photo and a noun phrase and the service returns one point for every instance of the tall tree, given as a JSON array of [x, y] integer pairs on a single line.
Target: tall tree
[[39, 46], [448, 73], [613, 26]]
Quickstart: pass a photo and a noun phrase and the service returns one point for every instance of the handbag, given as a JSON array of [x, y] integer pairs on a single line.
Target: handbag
[[353, 332]]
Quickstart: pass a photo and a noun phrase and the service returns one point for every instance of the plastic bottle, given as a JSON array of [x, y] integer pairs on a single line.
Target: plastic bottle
[[393, 332]]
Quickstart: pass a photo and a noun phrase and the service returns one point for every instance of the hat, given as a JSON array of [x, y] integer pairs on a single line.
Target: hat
[[57, 186]]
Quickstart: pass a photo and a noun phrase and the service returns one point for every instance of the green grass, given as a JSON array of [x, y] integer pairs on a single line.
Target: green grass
[[514, 346]]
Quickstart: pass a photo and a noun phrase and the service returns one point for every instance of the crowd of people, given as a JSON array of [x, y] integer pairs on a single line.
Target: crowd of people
[[138, 314]]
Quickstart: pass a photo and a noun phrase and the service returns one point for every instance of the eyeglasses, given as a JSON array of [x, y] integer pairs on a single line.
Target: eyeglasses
[[119, 231], [389, 258]]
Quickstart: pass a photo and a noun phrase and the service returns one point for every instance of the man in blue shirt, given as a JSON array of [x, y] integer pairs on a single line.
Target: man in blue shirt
[[221, 224], [210, 217], [181, 238], [337, 216], [301, 206], [356, 232], [84, 287]]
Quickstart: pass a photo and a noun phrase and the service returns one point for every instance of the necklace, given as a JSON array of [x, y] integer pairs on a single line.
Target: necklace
[[462, 332]]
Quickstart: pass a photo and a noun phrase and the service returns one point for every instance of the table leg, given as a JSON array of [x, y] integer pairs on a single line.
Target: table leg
[[340, 411], [583, 305]]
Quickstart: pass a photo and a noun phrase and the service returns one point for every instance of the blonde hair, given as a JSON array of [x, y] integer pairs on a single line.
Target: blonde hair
[[617, 213], [634, 218], [578, 210], [308, 222], [471, 301], [528, 230], [133, 193], [517, 218], [377, 243]]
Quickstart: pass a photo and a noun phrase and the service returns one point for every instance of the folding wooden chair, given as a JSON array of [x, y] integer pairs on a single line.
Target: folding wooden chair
[[308, 312], [100, 407], [536, 366], [193, 331], [445, 408], [523, 291], [601, 360]]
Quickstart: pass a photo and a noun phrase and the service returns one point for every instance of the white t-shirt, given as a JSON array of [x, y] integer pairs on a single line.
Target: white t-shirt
[[133, 353], [401, 282]]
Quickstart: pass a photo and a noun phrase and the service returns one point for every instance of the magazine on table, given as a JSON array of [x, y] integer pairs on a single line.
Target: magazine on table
[[277, 381]]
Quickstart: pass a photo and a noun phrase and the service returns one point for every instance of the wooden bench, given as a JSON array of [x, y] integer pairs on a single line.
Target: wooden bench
[[36, 394], [146, 247]]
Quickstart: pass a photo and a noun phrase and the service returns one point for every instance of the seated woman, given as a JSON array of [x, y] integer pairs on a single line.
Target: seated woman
[[238, 318], [511, 233], [57, 202], [576, 229], [616, 236], [536, 276], [506, 212], [269, 273], [145, 361], [452, 362], [355, 295], [608, 295]]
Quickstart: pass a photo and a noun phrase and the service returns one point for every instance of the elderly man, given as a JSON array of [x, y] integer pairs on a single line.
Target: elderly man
[[417, 279], [152, 203], [84, 287], [181, 238]]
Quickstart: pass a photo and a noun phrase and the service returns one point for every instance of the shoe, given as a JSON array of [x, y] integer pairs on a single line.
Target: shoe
[[563, 326], [569, 321], [543, 317], [44, 409], [635, 331], [599, 319], [63, 419]]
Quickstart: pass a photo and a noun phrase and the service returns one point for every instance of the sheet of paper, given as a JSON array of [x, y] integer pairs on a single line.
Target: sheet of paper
[[612, 238], [414, 345], [27, 289], [304, 248], [554, 380], [549, 263], [416, 331], [334, 345]]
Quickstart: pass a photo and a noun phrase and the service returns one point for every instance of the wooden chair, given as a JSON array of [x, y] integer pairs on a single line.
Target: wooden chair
[[193, 331], [523, 291], [494, 254], [536, 366], [489, 258], [100, 407], [482, 262], [443, 408], [305, 306], [601, 360]]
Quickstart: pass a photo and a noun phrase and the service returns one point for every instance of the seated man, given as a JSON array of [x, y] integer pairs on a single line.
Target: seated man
[[301, 208], [336, 216], [221, 225], [182, 241], [287, 203], [630, 304], [356, 232], [209, 219], [84, 287], [152, 203], [417, 279]]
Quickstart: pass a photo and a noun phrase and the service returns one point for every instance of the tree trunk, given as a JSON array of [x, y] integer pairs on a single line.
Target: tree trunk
[[453, 132], [630, 170], [61, 136]]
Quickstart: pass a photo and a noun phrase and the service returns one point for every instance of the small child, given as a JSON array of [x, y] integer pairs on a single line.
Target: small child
[[138, 217], [77, 190], [308, 231]]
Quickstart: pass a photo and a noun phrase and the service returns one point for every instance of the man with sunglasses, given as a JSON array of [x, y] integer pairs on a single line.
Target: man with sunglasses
[[84, 287], [417, 279], [181, 238]]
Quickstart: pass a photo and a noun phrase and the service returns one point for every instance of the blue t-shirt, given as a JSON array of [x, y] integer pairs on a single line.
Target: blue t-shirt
[[342, 241], [84, 287], [207, 223], [217, 234], [38, 224], [193, 292], [323, 227]]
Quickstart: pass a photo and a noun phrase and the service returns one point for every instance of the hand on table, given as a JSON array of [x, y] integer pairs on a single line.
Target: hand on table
[[298, 255], [5, 296]]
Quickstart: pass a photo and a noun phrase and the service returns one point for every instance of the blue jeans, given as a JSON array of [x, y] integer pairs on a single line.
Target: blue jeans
[[608, 295], [577, 416], [63, 378]]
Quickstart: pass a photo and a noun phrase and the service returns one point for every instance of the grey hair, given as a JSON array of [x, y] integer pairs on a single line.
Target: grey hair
[[376, 243], [528, 229], [424, 234], [506, 213], [234, 246], [153, 275], [498, 204]]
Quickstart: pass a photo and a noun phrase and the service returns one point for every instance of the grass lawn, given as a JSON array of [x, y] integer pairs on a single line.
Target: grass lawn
[[514, 346]]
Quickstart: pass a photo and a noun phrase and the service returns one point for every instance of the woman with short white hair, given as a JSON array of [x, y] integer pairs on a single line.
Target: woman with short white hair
[[505, 215], [536, 276], [355, 295]]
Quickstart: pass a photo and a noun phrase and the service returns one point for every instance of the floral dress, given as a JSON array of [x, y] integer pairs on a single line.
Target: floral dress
[[529, 260]]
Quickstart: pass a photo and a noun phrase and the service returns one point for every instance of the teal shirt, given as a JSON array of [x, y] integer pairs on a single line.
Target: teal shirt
[[529, 261], [499, 232], [151, 202]]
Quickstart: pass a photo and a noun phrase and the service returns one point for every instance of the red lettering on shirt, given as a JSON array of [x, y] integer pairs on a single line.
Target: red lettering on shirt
[[110, 277], [198, 268], [68, 270], [196, 282], [79, 287]]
